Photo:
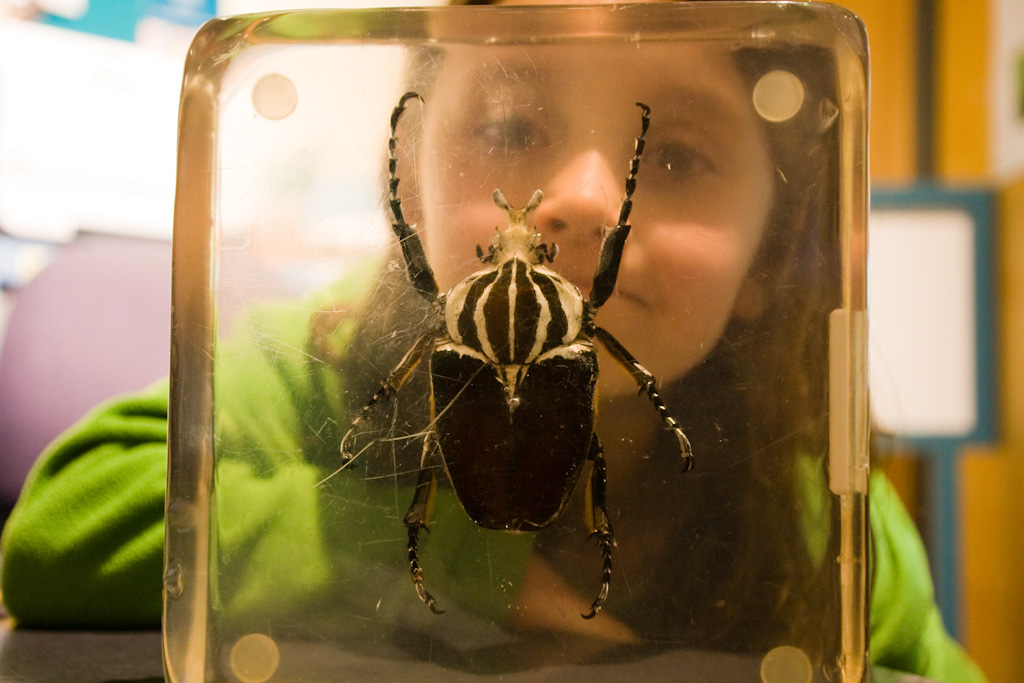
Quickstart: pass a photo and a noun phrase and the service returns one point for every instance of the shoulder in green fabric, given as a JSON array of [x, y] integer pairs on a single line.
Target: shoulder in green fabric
[[84, 545], [907, 632]]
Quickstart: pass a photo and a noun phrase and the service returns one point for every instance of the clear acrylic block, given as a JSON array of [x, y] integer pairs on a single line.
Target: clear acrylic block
[[740, 288]]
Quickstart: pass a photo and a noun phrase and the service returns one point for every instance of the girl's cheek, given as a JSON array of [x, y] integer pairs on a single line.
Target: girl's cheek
[[676, 264], [690, 287]]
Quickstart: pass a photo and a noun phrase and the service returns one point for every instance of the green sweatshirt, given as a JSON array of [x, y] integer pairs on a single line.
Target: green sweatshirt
[[83, 548]]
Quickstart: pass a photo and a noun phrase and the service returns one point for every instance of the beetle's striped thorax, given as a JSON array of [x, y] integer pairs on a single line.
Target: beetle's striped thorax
[[514, 312]]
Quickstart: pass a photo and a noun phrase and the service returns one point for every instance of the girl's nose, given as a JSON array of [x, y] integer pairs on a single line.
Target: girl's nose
[[580, 201]]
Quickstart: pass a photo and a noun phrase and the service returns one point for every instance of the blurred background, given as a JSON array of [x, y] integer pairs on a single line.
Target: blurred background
[[88, 117]]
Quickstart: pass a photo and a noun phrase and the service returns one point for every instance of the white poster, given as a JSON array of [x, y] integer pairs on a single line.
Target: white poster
[[923, 345]]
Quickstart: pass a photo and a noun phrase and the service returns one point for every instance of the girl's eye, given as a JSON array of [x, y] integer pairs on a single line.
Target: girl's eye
[[681, 161], [511, 134]]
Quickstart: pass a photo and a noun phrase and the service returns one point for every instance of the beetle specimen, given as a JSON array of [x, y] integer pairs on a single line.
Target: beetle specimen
[[513, 371]]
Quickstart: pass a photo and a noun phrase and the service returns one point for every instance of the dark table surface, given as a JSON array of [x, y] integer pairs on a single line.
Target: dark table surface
[[38, 656], [30, 656]]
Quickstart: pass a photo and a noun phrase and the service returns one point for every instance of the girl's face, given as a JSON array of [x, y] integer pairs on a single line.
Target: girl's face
[[564, 121]]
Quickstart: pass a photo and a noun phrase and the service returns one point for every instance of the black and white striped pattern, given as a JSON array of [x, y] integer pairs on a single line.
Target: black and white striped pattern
[[514, 313]]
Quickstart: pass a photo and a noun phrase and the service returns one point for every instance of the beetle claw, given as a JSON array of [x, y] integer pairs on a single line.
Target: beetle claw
[[427, 598], [346, 450], [606, 541], [598, 603]]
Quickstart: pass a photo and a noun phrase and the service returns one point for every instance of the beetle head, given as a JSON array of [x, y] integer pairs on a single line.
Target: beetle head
[[519, 239]]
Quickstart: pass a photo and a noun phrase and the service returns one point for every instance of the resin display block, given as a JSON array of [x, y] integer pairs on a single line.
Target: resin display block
[[406, 437]]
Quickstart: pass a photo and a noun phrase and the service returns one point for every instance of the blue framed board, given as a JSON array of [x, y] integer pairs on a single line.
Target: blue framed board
[[932, 358]]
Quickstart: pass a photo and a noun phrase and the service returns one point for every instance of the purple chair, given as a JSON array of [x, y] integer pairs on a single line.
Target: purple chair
[[95, 323]]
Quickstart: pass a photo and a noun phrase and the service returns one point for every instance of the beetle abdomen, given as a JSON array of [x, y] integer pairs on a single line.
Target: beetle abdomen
[[514, 462], [514, 313]]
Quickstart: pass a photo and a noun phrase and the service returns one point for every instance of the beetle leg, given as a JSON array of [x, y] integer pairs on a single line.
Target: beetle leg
[[417, 517], [615, 239], [599, 522], [420, 272], [648, 385], [387, 390]]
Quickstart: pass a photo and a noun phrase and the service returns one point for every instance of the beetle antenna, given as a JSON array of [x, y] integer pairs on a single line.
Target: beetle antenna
[[420, 273], [396, 114], [634, 164]]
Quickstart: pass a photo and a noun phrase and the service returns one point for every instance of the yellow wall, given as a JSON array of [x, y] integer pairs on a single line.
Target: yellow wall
[[992, 478], [961, 116], [993, 481], [892, 37]]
